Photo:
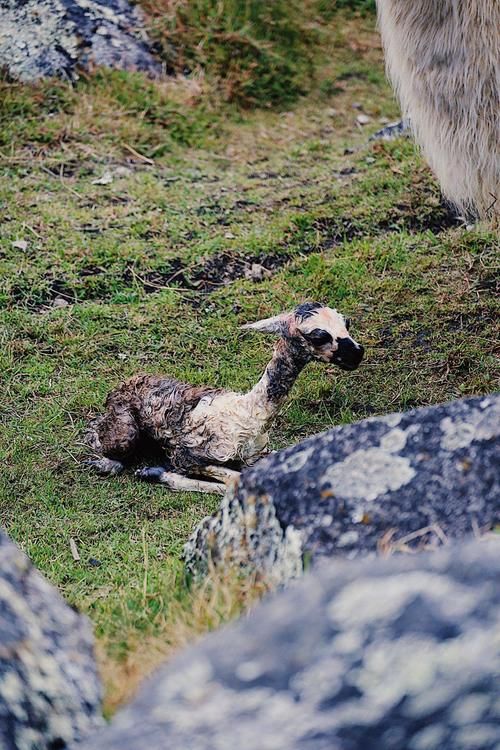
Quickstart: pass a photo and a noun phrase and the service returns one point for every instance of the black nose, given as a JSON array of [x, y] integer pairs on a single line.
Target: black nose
[[349, 354]]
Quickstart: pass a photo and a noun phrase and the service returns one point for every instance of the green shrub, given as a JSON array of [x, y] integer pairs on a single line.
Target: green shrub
[[328, 8], [258, 52]]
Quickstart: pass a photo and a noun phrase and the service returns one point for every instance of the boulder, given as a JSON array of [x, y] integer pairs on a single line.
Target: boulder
[[396, 654], [391, 131], [393, 483], [50, 693], [55, 37]]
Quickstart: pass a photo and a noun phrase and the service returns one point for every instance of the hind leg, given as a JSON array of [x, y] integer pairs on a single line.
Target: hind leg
[[219, 473]]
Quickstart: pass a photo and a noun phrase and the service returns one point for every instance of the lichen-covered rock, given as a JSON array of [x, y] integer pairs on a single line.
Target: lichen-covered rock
[[397, 654], [245, 533], [49, 688], [404, 480], [54, 37]]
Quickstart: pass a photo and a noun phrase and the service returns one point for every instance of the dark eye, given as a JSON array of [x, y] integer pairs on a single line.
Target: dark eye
[[347, 323], [317, 337]]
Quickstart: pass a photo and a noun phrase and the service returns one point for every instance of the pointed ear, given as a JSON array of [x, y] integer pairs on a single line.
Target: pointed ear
[[276, 324]]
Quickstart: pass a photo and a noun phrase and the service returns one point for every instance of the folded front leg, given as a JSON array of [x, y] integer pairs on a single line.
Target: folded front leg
[[105, 467], [221, 473], [178, 482]]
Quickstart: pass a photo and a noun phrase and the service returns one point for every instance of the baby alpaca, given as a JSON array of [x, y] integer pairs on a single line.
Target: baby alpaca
[[210, 432]]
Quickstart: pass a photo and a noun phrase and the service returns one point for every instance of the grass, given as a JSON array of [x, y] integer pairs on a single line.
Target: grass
[[254, 53], [101, 278]]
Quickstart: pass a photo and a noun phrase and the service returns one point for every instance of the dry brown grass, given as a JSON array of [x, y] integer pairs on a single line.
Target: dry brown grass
[[255, 53], [220, 598], [347, 63]]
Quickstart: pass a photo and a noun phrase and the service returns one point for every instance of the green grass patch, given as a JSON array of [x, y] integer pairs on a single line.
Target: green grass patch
[[256, 53]]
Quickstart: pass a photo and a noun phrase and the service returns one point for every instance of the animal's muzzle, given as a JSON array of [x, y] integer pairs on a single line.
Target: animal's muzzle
[[348, 355]]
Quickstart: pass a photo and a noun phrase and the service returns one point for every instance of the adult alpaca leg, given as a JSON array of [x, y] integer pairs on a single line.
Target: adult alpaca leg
[[443, 61]]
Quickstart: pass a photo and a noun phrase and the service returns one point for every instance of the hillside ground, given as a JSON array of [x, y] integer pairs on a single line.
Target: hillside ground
[[132, 214]]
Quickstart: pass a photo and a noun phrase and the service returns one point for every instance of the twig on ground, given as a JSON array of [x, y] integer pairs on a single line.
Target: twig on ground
[[74, 550], [139, 156], [61, 179], [146, 566]]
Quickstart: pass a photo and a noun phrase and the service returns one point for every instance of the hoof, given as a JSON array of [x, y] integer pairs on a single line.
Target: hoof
[[150, 474]]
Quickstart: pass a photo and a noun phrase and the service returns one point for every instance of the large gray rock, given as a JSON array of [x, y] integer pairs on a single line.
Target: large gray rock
[[50, 693], [404, 480], [54, 37], [397, 654]]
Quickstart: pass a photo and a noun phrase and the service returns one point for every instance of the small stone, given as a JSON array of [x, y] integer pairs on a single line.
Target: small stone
[[392, 130], [60, 302], [122, 171], [229, 236], [331, 112], [363, 119], [348, 170], [20, 245], [357, 105], [370, 160], [257, 272], [106, 179]]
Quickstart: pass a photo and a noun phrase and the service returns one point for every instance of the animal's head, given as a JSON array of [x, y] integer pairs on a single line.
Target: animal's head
[[319, 330]]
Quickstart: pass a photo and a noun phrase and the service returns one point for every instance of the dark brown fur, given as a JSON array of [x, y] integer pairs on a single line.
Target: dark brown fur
[[290, 358], [145, 408]]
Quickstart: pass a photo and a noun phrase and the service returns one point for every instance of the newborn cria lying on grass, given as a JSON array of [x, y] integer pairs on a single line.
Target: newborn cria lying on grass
[[210, 432]]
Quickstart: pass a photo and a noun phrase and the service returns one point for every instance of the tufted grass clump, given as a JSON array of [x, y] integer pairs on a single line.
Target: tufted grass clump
[[256, 53], [218, 599], [327, 8], [111, 104]]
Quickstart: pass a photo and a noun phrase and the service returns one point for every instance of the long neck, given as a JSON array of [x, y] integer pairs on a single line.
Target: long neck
[[281, 373]]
